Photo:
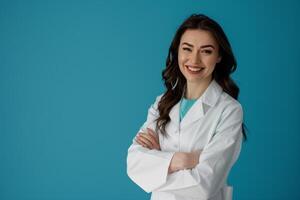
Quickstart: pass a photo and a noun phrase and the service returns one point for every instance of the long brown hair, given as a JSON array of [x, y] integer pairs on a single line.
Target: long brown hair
[[175, 82]]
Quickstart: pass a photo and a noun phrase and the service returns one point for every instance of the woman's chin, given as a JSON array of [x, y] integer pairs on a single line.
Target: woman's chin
[[198, 80]]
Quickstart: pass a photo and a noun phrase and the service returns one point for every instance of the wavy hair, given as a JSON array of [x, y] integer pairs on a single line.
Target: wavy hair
[[174, 80]]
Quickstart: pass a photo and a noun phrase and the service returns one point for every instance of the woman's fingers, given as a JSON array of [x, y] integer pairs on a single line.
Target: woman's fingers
[[144, 140], [140, 142], [152, 137], [155, 144], [149, 138], [150, 131], [155, 137]]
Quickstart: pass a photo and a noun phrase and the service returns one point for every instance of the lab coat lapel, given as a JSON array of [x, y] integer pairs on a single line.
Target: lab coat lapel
[[207, 100]]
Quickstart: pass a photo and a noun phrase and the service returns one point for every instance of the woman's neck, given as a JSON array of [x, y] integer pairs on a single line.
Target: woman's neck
[[195, 89]]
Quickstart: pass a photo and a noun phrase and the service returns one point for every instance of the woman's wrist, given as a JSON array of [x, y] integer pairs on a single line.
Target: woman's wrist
[[183, 160], [179, 161], [176, 162]]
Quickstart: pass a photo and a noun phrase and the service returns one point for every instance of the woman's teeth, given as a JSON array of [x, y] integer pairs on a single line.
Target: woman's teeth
[[195, 69]]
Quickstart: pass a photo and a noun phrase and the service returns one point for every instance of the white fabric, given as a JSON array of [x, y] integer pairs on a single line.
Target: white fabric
[[214, 125]]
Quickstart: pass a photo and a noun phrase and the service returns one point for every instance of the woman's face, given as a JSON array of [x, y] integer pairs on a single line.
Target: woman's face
[[198, 54]]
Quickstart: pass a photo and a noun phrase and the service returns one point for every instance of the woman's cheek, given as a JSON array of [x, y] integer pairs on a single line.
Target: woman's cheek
[[181, 61], [211, 63]]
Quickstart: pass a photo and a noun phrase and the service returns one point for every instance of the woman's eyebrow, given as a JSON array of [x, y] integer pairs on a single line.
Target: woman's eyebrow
[[203, 46], [208, 45], [188, 44]]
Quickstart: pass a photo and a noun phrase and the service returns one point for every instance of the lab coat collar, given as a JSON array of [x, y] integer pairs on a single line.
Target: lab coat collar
[[212, 93], [200, 107]]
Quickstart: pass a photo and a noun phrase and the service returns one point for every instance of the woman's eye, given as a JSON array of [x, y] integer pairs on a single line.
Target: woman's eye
[[207, 51], [186, 49]]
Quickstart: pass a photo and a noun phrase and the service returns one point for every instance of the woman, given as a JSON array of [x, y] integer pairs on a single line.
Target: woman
[[193, 132]]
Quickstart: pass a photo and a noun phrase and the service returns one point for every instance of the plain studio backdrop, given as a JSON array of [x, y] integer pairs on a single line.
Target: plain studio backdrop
[[77, 78]]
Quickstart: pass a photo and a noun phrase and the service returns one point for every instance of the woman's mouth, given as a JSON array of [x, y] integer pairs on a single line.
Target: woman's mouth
[[194, 70]]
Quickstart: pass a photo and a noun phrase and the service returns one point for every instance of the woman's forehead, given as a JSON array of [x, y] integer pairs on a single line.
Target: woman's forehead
[[198, 37]]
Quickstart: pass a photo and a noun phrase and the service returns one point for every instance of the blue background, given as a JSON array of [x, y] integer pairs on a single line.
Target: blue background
[[77, 78]]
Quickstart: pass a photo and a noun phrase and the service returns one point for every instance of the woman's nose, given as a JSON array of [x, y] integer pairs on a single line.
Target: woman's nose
[[196, 58]]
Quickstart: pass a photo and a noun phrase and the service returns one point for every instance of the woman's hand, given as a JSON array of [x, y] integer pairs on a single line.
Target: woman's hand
[[180, 160], [183, 160], [148, 140]]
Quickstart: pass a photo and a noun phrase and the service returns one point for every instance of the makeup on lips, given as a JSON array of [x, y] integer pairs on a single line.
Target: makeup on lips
[[194, 69]]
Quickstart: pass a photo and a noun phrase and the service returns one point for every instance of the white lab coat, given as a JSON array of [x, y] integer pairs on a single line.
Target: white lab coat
[[213, 124]]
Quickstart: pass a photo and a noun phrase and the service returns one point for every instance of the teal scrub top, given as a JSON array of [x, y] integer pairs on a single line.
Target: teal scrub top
[[185, 105]]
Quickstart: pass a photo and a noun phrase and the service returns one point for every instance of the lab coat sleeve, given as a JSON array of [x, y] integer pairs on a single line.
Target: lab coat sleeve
[[215, 162], [148, 168]]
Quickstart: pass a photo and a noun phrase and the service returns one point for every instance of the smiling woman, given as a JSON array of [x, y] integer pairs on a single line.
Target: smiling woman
[[194, 130], [198, 54]]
